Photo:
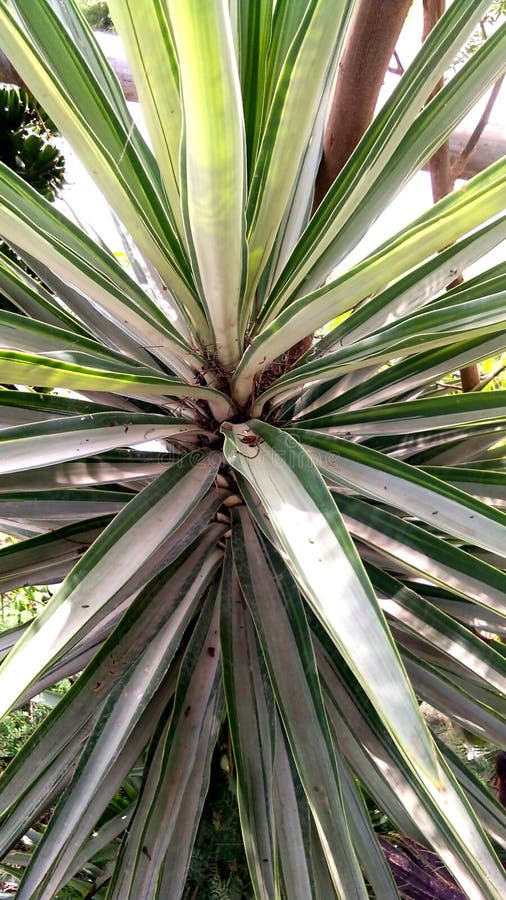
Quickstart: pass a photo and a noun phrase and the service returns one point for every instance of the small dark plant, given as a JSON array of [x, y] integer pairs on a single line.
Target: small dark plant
[[96, 13], [27, 142]]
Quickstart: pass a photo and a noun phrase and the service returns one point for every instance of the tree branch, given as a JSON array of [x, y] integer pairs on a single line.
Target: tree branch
[[459, 165]]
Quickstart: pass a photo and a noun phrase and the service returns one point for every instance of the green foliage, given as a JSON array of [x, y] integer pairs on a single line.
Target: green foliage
[[495, 15], [21, 605], [494, 373], [16, 728], [17, 607], [218, 867], [26, 144], [250, 518], [27, 147], [96, 13]]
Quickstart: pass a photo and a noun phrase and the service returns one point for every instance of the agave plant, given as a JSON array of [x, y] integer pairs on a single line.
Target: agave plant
[[315, 540]]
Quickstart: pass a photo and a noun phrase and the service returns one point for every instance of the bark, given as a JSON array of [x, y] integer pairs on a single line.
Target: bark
[[441, 175], [369, 49], [439, 166], [475, 140], [8, 74], [470, 377]]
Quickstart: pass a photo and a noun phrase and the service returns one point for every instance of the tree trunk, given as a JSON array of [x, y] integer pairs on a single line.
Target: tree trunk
[[372, 40], [441, 177]]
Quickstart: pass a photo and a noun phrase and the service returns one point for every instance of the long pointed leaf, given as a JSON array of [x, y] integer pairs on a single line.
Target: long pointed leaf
[[279, 618], [318, 550], [352, 714], [292, 819], [423, 620], [32, 224], [146, 35], [24, 784], [213, 163], [107, 566], [251, 716], [414, 416], [445, 222], [174, 789], [310, 63], [117, 720], [406, 488], [414, 549], [385, 157], [63, 439], [78, 375], [119, 158]]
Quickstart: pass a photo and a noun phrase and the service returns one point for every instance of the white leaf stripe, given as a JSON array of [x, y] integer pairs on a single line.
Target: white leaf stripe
[[315, 49], [408, 489], [416, 288], [419, 551], [375, 170], [426, 622], [150, 54], [250, 711], [76, 437], [282, 492], [32, 298], [174, 787], [110, 562], [406, 375], [458, 701], [99, 840], [117, 720], [194, 526], [213, 164], [119, 158], [446, 221], [486, 484], [277, 612], [97, 470], [317, 536], [21, 333], [368, 749], [59, 546], [135, 353], [252, 25], [369, 851], [414, 416], [47, 405], [292, 825], [139, 624], [431, 328], [352, 714], [64, 505], [32, 225], [27, 368]]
